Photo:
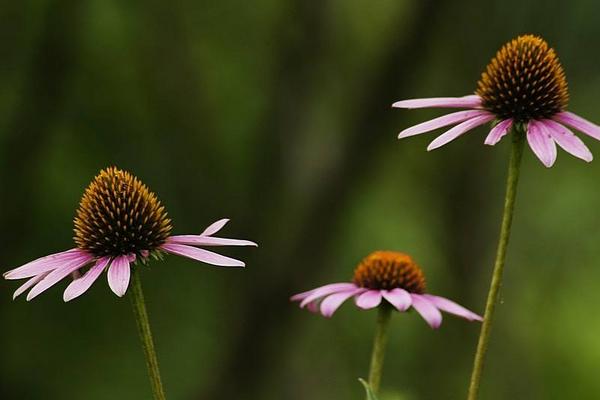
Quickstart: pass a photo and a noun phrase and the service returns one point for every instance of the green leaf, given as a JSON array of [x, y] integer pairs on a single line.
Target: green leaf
[[370, 394]]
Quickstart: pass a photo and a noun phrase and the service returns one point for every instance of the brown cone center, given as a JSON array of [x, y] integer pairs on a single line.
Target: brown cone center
[[118, 215], [389, 270], [524, 81]]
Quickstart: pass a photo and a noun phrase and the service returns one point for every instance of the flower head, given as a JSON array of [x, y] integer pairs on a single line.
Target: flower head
[[119, 221], [523, 86], [384, 277]]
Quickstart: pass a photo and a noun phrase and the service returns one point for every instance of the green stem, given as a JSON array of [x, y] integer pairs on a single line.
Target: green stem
[[141, 318], [379, 342], [518, 140]]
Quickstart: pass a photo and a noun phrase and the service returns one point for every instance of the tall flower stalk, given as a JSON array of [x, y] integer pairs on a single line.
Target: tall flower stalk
[[143, 325], [512, 180], [379, 344]]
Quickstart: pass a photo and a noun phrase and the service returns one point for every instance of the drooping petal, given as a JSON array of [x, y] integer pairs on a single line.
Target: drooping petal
[[369, 299], [334, 301], [458, 130], [440, 122], [199, 240], [567, 140], [397, 297], [118, 275], [215, 227], [428, 311], [470, 101], [201, 255], [29, 283], [541, 143], [44, 264], [301, 296], [579, 123], [58, 274], [451, 307], [326, 290], [498, 132], [81, 285]]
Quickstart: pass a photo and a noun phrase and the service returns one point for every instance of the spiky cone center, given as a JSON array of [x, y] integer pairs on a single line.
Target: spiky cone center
[[389, 270], [524, 81], [118, 215]]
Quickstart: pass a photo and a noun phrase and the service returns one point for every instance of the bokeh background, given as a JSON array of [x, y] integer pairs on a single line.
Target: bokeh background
[[277, 115]]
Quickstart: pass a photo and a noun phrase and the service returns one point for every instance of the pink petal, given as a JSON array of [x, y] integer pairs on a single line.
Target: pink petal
[[81, 285], [44, 264], [369, 299], [334, 301], [498, 132], [325, 291], [451, 102], [579, 123], [541, 143], [58, 274], [215, 227], [399, 298], [452, 308], [428, 311], [199, 240], [201, 255], [29, 283], [458, 130], [567, 140], [301, 296], [118, 275], [440, 122]]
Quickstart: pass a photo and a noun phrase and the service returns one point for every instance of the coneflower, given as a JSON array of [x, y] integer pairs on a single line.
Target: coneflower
[[524, 87], [523, 90], [387, 280], [120, 225]]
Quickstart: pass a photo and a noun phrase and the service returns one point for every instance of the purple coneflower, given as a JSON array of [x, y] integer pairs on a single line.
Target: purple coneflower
[[524, 91], [119, 222], [523, 86], [387, 277], [388, 280]]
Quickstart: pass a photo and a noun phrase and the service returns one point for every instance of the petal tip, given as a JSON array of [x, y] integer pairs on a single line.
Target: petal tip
[[8, 275], [67, 297]]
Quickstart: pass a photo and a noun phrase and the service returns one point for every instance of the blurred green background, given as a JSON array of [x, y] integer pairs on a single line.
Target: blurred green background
[[277, 115]]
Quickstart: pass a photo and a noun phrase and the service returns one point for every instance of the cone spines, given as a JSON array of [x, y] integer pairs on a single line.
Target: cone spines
[[389, 270], [118, 215], [524, 81]]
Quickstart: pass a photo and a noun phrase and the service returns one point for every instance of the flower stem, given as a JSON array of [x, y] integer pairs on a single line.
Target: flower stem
[[518, 140], [141, 318], [379, 342]]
